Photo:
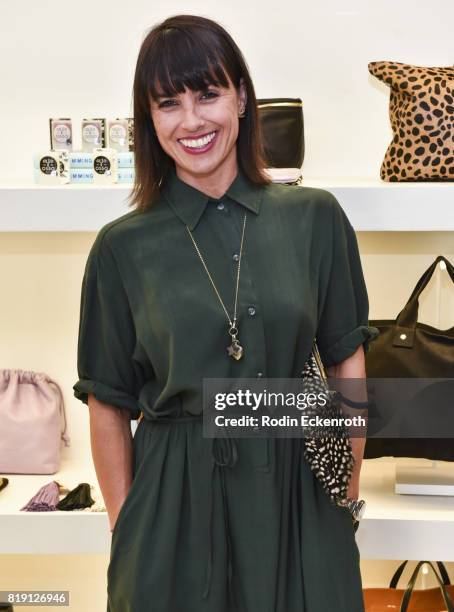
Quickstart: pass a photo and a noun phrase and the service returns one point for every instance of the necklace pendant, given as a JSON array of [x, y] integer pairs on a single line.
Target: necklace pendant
[[235, 350]]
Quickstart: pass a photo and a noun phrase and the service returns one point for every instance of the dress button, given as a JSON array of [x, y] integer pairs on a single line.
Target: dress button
[[251, 311], [236, 257], [220, 206]]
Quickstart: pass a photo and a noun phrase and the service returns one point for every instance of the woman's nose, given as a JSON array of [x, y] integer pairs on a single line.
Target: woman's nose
[[192, 120]]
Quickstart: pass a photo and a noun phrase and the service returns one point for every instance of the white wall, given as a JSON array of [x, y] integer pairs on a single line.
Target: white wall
[[78, 60]]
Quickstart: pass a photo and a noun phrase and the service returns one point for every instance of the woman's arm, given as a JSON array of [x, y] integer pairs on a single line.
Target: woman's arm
[[112, 451], [353, 367]]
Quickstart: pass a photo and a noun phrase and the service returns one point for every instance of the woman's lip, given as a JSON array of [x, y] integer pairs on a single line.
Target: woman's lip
[[197, 137], [201, 150]]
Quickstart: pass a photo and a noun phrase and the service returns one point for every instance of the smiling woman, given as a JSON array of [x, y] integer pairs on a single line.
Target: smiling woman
[[193, 83], [214, 524], [203, 121]]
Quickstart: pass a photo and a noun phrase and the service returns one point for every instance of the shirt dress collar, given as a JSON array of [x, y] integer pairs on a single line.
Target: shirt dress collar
[[188, 203]]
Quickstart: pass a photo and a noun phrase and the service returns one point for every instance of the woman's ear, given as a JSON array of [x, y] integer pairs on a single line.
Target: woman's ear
[[242, 96]]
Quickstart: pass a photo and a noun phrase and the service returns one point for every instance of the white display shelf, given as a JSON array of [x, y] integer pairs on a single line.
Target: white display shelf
[[371, 205], [395, 526], [57, 532]]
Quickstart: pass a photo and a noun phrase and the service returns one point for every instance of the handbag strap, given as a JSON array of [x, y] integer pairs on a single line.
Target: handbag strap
[[409, 314], [411, 585], [318, 360], [398, 573], [61, 408]]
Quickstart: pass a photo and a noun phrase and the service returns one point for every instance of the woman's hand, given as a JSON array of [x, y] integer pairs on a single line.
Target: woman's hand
[[113, 517], [112, 450], [353, 487], [353, 367], [112, 522]]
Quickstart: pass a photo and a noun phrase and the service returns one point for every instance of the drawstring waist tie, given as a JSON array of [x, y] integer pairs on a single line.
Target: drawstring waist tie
[[224, 453]]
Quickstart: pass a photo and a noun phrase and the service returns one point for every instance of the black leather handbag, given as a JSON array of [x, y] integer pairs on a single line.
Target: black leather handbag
[[282, 125], [408, 349]]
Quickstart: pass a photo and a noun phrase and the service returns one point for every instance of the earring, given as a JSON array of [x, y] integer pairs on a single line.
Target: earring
[[242, 113]]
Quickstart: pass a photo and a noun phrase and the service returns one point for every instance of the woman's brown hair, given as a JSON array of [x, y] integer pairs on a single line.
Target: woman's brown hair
[[194, 52]]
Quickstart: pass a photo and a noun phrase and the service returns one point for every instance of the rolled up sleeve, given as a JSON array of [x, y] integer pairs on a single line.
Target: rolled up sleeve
[[343, 301], [107, 340]]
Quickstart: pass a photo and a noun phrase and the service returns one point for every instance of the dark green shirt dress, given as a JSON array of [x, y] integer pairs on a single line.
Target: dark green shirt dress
[[215, 525]]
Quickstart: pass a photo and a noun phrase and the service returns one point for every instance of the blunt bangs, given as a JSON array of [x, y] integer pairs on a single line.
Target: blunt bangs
[[181, 61]]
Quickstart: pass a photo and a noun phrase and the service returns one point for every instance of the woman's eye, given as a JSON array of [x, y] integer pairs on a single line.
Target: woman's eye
[[171, 101], [166, 103]]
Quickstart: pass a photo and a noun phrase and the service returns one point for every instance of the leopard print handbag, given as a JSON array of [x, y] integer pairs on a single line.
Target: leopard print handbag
[[329, 453], [421, 110]]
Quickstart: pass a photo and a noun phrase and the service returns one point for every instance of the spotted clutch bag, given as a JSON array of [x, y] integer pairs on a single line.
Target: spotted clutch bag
[[328, 451]]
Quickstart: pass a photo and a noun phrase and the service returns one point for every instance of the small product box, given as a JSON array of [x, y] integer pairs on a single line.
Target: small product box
[[93, 134], [118, 134], [61, 134], [81, 175], [80, 159], [131, 133], [104, 165], [125, 159], [51, 167], [125, 175]]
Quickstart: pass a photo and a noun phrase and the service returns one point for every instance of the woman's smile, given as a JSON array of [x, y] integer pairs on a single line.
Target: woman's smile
[[202, 144]]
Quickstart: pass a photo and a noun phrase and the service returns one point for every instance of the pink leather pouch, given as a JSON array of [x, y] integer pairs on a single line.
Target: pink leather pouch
[[32, 423]]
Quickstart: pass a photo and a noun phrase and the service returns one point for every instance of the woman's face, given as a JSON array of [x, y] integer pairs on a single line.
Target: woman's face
[[198, 130]]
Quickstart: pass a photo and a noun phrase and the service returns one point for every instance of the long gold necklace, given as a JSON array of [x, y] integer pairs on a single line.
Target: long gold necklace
[[235, 349]]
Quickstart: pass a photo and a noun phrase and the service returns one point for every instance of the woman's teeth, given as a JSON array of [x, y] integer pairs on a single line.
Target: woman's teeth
[[199, 142]]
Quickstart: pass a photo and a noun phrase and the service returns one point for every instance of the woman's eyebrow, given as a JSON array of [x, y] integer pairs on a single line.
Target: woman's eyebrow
[[204, 89]]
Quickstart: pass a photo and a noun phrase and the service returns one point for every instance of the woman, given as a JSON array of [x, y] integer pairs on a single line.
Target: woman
[[216, 273]]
